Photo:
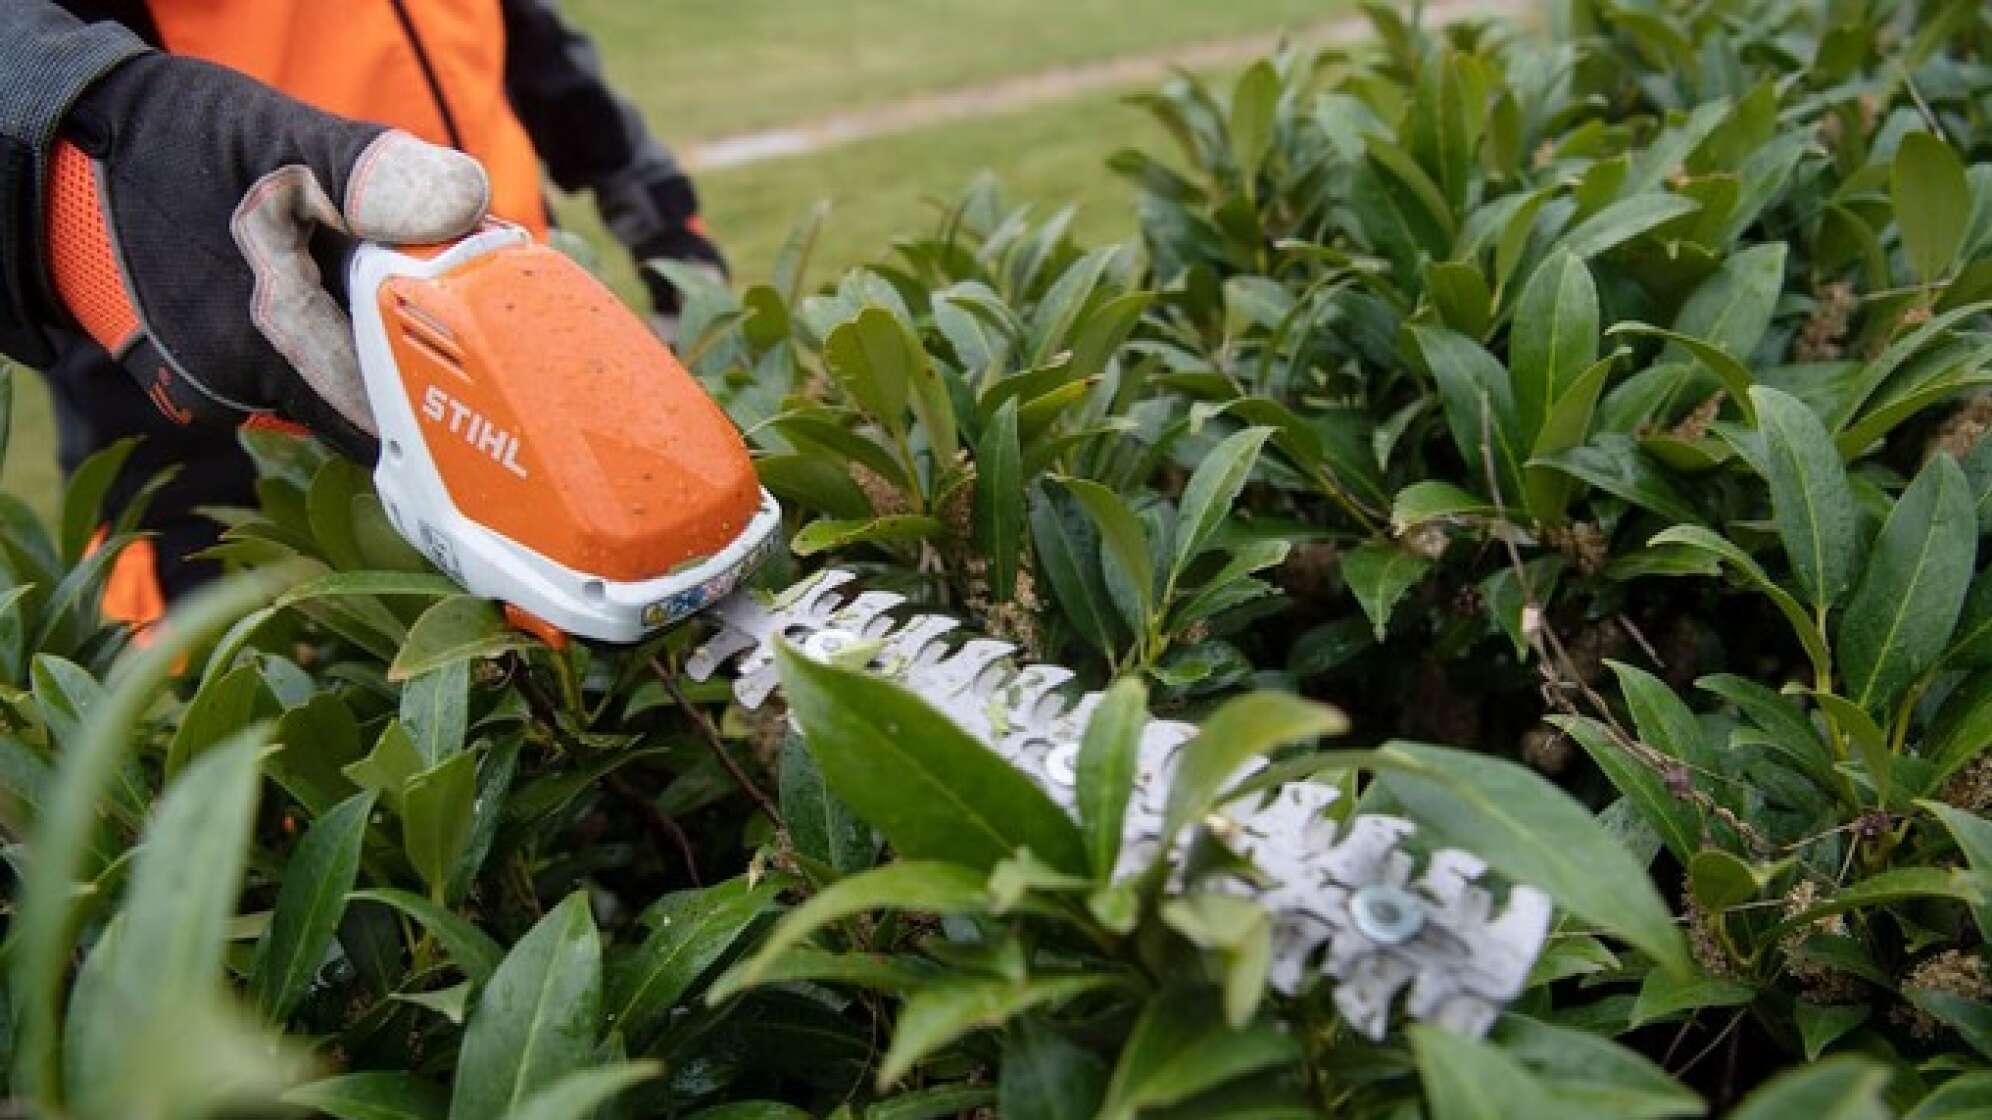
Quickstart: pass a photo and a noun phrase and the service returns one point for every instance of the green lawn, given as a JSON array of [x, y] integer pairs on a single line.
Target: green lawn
[[703, 68]]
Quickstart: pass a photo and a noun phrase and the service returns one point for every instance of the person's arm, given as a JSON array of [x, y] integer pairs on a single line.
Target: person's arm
[[592, 139], [164, 208], [47, 59]]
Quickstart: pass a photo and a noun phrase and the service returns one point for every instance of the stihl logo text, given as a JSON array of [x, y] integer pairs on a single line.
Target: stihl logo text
[[467, 424]]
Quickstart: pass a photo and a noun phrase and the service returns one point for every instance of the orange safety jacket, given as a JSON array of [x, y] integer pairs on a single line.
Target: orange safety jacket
[[435, 68]]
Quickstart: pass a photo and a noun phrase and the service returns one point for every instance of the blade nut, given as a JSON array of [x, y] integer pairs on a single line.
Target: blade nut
[[1385, 914]]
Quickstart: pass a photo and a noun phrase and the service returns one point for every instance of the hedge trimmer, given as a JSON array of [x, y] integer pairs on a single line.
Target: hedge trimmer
[[544, 449]]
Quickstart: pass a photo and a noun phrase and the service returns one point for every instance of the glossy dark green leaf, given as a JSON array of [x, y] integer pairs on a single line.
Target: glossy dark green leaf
[[1181, 1047], [1468, 1079], [1480, 410], [1379, 575], [1123, 545], [1622, 221], [1211, 492], [1965, 1097], [692, 930], [309, 904], [1245, 728], [1595, 1074], [472, 950], [1068, 549], [999, 501], [1105, 770], [827, 535], [184, 885], [924, 886], [460, 628], [1810, 496], [1932, 203], [1554, 339], [373, 1095], [1045, 1076], [1899, 619], [820, 825], [1477, 802], [220, 709], [1616, 464], [578, 1095], [938, 1014], [1842, 1088], [435, 710], [537, 1018], [929, 787], [437, 811]]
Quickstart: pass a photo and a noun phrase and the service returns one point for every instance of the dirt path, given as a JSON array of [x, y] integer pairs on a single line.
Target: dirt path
[[1029, 90]]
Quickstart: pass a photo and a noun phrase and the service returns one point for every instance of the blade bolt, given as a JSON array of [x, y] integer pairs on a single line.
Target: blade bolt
[[1385, 914], [827, 643]]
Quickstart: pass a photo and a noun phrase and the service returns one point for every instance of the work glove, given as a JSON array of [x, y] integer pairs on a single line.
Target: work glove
[[184, 205], [654, 212]]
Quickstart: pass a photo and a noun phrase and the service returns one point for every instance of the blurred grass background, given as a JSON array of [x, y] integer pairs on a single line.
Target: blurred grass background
[[705, 69]]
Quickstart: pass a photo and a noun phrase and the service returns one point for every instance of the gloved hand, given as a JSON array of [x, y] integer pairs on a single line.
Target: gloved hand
[[653, 210], [183, 206]]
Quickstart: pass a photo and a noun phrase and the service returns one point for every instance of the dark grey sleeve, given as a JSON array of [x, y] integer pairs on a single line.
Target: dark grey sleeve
[[47, 59], [589, 137]]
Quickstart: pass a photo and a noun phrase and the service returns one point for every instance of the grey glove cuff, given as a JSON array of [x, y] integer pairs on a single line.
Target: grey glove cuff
[[638, 203]]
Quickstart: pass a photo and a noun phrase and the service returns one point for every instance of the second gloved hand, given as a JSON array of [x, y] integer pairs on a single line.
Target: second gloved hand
[[181, 217]]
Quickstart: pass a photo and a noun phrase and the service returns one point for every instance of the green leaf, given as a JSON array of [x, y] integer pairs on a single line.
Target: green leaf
[[1677, 825], [460, 628], [1900, 617], [1719, 880], [1379, 575], [1734, 375], [692, 931], [310, 902], [83, 497], [999, 501], [436, 815], [1967, 1096], [940, 1013], [388, 769], [1973, 834], [220, 709], [435, 710], [1531, 831], [1932, 203], [1105, 770], [1599, 1076], [1211, 492], [1810, 496], [1842, 1088], [826, 535], [536, 1019], [329, 506], [1254, 104], [1821, 1025], [1123, 543], [1567, 425], [1664, 994], [184, 884], [1802, 625], [820, 825], [1069, 552], [578, 1095], [1884, 888], [875, 359], [1480, 409], [1181, 1047], [1245, 728], [42, 933], [1459, 292], [931, 789], [1044, 1076], [1622, 221], [1554, 339], [1617, 465], [1467, 1079], [473, 951], [373, 1095], [911, 884], [1434, 500], [1970, 1018]]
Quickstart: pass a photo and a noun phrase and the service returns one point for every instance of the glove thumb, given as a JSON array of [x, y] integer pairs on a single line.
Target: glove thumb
[[405, 191]]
